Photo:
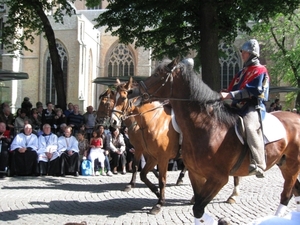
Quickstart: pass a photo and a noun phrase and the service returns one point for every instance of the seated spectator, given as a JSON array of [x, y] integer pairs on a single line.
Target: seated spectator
[[272, 107], [48, 116], [89, 121], [4, 150], [34, 121], [40, 109], [61, 130], [24, 153], [20, 121], [106, 147], [278, 106], [59, 119], [96, 152], [83, 145], [68, 111], [18, 113], [75, 120], [48, 156], [129, 149], [26, 105], [69, 157], [7, 117], [117, 146]]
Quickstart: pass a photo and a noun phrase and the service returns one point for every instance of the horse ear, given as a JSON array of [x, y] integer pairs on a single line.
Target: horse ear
[[174, 63], [128, 84], [118, 82]]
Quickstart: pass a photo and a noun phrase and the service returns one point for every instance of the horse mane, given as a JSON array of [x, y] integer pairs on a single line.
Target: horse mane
[[205, 98]]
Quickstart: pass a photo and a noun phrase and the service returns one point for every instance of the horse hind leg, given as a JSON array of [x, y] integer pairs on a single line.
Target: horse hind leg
[[181, 176], [236, 191], [132, 183]]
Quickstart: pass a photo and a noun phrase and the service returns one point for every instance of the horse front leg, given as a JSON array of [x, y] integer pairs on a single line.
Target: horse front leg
[[205, 189], [162, 167], [296, 191], [150, 163], [236, 191], [291, 185], [135, 167]]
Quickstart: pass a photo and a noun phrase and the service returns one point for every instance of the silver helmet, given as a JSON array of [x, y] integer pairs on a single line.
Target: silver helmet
[[251, 46]]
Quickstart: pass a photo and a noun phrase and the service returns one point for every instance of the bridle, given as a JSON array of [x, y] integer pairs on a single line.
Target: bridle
[[147, 97], [125, 113]]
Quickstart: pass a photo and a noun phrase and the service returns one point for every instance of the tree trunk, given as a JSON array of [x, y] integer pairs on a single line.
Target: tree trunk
[[55, 58], [209, 45]]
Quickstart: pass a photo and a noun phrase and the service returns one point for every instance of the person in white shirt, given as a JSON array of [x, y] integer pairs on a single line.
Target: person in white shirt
[[24, 157], [69, 153], [48, 156]]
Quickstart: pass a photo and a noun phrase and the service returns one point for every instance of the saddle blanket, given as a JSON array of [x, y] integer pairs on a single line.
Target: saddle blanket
[[272, 127]]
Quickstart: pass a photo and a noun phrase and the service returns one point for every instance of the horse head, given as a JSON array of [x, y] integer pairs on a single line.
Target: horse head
[[119, 111], [159, 86], [106, 104]]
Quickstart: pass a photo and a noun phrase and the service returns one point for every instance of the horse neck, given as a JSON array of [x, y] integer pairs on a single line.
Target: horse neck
[[144, 115]]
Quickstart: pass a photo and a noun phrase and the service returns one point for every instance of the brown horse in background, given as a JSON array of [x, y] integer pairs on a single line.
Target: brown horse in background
[[151, 133], [210, 147], [106, 104]]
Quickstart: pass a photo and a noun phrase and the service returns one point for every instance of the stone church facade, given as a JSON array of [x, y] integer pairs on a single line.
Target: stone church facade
[[86, 53]]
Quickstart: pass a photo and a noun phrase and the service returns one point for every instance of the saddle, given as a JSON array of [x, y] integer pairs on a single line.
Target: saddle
[[176, 127], [273, 129]]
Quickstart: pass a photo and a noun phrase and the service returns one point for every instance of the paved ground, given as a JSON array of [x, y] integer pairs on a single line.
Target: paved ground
[[100, 200]]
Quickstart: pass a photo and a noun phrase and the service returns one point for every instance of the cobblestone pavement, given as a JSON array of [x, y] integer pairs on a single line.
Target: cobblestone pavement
[[101, 200]]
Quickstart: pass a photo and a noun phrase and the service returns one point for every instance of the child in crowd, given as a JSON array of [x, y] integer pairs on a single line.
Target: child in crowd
[[83, 145], [96, 152]]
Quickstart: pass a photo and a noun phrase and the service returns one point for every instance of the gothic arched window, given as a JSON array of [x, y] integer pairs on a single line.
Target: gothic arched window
[[120, 62], [230, 64], [51, 95]]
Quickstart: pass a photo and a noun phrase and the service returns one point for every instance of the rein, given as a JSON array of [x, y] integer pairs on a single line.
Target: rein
[[146, 96], [124, 113]]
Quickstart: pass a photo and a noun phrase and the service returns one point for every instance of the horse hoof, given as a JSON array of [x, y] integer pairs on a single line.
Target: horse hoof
[[127, 188], [224, 221], [192, 201], [179, 182], [231, 200], [155, 209]]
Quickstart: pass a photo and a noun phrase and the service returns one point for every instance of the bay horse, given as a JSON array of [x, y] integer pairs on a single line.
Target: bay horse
[[152, 134], [152, 131], [211, 149]]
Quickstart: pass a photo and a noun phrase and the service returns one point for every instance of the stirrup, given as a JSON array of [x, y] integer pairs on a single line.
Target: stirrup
[[255, 170]]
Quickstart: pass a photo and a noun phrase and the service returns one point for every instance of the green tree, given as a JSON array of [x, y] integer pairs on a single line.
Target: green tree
[[29, 17], [178, 27], [281, 38]]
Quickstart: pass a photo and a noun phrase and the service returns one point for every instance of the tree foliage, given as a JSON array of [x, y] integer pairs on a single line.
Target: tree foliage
[[27, 18], [281, 38], [181, 26]]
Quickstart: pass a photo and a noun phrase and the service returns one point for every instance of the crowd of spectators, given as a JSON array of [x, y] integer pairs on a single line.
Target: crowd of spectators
[[45, 140]]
